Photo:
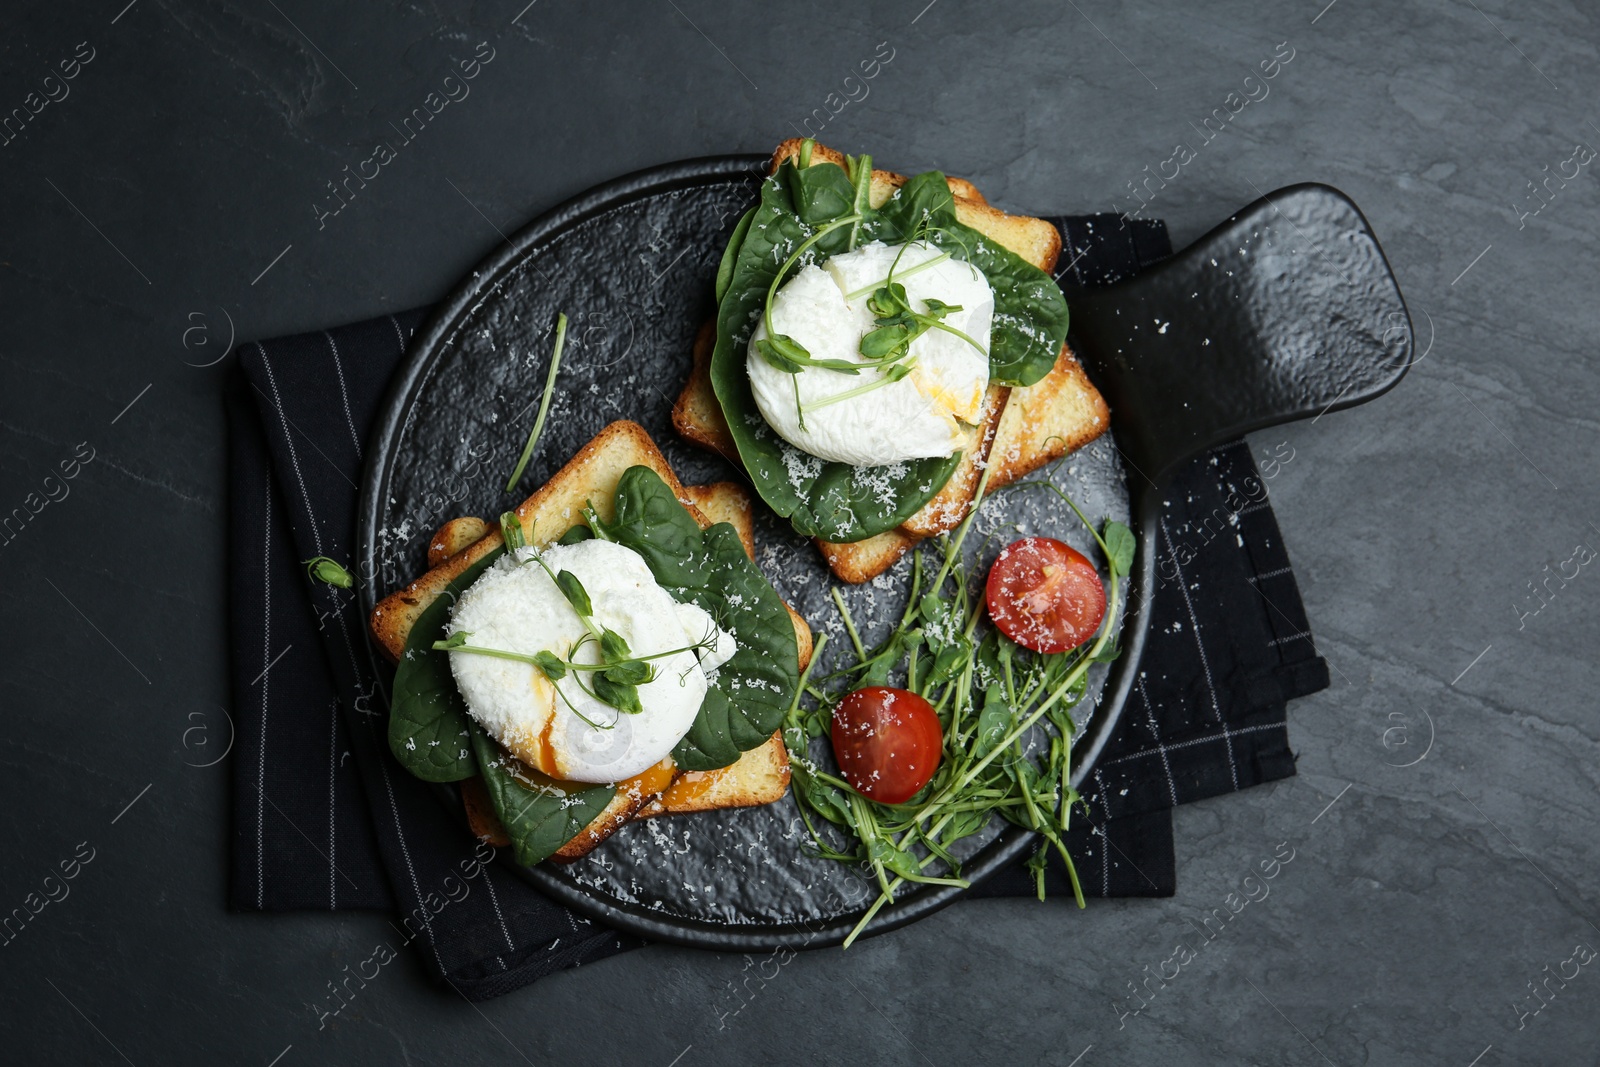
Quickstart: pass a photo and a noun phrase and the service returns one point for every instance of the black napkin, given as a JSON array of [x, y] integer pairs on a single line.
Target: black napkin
[[324, 818]]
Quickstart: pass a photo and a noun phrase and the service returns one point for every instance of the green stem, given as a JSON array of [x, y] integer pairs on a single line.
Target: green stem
[[544, 403], [500, 653], [848, 394], [441, 646], [849, 623], [805, 675], [861, 179], [595, 525], [875, 286], [930, 879], [954, 552], [939, 325], [777, 279]]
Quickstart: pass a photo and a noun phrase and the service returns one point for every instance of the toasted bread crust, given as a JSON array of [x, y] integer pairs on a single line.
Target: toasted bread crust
[[862, 561], [1058, 414], [965, 189], [697, 416], [624, 805], [481, 818], [726, 502], [453, 536], [486, 825], [945, 511]]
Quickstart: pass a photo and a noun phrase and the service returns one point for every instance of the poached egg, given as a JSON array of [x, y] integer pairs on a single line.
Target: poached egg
[[824, 308], [557, 727]]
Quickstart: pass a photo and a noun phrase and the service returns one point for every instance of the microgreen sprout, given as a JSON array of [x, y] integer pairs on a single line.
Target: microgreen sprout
[[898, 323], [323, 569], [613, 680], [859, 171], [931, 261], [544, 403]]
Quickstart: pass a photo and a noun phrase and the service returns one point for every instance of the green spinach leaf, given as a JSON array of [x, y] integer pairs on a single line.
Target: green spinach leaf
[[539, 815], [427, 716], [729, 254], [651, 521], [578, 533], [819, 194], [750, 694]]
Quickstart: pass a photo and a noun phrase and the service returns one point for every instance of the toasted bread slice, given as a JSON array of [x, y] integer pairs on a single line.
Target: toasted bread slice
[[759, 777], [1058, 414], [591, 476]]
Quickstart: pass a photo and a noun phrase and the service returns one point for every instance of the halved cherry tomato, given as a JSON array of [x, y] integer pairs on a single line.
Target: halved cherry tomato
[[888, 742], [1045, 595]]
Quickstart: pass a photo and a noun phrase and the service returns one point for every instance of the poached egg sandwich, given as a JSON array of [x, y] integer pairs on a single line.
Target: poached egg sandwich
[[611, 651], [869, 331], [912, 325]]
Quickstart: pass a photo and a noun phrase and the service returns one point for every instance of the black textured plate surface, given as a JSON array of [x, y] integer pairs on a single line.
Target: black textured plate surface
[[632, 264]]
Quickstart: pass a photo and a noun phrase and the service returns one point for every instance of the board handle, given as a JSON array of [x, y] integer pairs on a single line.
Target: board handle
[[1285, 311]]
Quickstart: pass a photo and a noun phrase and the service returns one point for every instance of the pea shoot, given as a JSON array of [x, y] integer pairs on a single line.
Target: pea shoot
[[544, 403], [328, 571]]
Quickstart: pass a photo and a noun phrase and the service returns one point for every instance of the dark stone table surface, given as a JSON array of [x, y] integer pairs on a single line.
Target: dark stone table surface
[[177, 184]]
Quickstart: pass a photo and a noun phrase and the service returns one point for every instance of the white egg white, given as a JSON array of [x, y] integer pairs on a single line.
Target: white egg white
[[514, 606], [924, 415]]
